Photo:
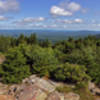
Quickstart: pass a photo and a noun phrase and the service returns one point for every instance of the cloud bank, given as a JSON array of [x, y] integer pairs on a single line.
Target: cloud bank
[[29, 20], [7, 6], [65, 9]]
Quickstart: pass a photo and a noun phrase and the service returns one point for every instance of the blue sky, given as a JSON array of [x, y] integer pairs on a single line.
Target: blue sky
[[50, 14]]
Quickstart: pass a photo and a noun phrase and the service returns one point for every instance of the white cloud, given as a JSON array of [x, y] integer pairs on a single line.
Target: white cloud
[[8, 6], [78, 20], [98, 25], [48, 26], [74, 6], [55, 10], [44, 26], [65, 9], [66, 21], [84, 10], [2, 18], [29, 20]]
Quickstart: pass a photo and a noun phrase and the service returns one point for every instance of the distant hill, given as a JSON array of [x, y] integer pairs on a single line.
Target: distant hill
[[53, 35], [97, 35]]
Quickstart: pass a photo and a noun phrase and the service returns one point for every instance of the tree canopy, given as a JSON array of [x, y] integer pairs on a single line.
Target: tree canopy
[[72, 60]]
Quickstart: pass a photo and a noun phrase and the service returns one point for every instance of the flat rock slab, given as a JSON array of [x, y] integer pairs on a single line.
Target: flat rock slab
[[45, 85]]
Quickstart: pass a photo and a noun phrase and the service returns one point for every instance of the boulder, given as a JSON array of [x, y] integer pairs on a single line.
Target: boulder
[[47, 85], [71, 96]]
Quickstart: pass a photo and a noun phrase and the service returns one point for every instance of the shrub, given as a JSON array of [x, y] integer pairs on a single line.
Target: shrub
[[14, 69], [71, 73], [64, 89]]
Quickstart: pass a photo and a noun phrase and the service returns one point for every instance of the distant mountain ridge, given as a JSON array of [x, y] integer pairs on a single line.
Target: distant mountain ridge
[[53, 35], [97, 35]]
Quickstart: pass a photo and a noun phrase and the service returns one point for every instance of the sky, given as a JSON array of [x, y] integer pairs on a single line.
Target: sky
[[50, 14]]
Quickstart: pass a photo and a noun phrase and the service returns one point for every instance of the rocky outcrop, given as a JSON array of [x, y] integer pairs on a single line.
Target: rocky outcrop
[[47, 85], [35, 88], [32, 93]]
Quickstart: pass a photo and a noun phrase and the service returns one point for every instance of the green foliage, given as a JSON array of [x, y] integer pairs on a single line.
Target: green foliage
[[32, 39], [42, 60], [21, 39], [71, 73], [14, 69], [5, 43], [84, 94], [45, 43], [64, 89], [94, 70], [74, 61]]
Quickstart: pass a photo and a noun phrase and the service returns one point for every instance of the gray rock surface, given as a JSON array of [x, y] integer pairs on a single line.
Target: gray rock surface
[[47, 85], [35, 88], [32, 93]]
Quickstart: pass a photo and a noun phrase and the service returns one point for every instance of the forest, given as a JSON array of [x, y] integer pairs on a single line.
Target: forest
[[74, 61]]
